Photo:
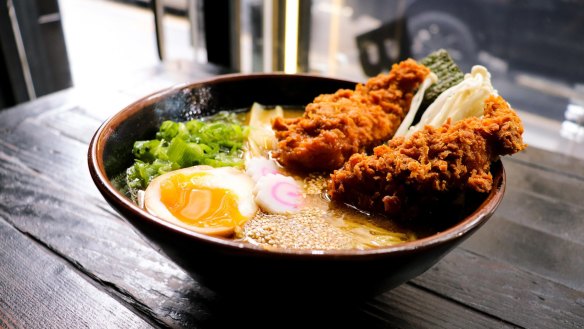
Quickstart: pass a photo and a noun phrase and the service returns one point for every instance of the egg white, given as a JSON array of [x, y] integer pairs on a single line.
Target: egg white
[[228, 178]]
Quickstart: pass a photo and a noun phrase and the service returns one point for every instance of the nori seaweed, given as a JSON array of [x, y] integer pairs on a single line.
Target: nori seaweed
[[449, 74]]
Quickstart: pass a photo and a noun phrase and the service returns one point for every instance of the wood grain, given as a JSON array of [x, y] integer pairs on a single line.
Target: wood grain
[[522, 298], [538, 226], [416, 306], [99, 243], [39, 290], [80, 227], [537, 180], [523, 268], [61, 100], [550, 161], [531, 250]]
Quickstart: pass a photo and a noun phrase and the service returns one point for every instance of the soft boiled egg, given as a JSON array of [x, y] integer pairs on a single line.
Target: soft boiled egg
[[208, 200]]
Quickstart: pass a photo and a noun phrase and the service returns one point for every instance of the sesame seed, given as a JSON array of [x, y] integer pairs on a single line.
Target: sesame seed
[[308, 229], [315, 183]]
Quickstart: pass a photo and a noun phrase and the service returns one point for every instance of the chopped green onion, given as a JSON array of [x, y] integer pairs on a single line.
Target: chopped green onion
[[216, 141]]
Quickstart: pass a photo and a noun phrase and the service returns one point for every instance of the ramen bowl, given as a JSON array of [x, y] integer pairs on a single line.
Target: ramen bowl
[[233, 267]]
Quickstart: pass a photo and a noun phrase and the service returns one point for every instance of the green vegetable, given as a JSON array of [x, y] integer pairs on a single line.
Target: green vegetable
[[466, 99], [216, 141], [449, 74]]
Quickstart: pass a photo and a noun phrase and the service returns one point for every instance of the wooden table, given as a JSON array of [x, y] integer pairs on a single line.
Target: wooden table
[[67, 260]]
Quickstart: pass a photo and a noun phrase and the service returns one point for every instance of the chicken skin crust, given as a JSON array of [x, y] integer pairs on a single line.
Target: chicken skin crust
[[336, 126], [432, 162]]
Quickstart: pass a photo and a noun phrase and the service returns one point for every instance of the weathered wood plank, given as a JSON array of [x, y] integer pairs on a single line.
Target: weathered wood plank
[[100, 244], [538, 226], [555, 162], [544, 201], [55, 208], [48, 151], [415, 306], [67, 214], [566, 187], [520, 297], [102, 105], [58, 101], [528, 256], [553, 216], [113, 255], [39, 290], [535, 251], [73, 123]]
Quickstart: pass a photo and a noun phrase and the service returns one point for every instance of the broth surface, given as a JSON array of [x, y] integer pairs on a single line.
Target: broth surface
[[321, 224]]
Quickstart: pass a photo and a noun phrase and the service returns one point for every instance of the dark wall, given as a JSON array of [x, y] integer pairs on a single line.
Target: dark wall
[[36, 24]]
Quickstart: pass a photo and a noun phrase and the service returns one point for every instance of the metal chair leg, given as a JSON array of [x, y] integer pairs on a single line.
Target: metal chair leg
[[158, 10]]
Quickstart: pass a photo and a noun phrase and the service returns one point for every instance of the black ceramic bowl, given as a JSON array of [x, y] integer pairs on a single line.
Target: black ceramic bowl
[[224, 265]]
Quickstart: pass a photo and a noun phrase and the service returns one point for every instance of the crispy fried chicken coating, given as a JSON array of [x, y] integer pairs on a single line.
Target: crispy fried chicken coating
[[430, 163], [335, 126]]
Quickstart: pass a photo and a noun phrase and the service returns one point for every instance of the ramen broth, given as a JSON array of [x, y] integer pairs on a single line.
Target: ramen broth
[[320, 224]]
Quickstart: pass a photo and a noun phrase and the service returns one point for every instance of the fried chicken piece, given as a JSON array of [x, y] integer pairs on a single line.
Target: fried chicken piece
[[335, 126], [400, 176]]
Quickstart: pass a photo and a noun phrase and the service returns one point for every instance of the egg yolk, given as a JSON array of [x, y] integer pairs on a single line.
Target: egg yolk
[[199, 205]]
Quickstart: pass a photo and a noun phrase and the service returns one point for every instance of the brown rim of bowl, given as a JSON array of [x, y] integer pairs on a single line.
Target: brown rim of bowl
[[97, 171]]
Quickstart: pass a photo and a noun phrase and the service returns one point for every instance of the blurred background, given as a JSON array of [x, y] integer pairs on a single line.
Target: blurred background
[[534, 49]]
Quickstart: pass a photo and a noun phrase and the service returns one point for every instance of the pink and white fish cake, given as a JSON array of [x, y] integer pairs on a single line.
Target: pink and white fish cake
[[257, 167], [278, 194]]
